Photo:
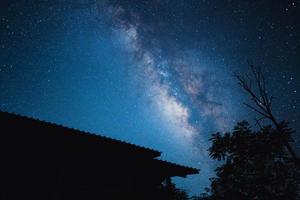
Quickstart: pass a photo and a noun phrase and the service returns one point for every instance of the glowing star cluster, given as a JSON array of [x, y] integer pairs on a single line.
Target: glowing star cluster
[[154, 68]]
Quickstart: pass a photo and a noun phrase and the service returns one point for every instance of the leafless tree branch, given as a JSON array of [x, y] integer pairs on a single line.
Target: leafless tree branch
[[262, 100]]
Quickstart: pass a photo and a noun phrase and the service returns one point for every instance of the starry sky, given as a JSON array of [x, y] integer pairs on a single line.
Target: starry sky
[[155, 73]]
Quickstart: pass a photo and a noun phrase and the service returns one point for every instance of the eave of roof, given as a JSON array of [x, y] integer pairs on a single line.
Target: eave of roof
[[180, 170]]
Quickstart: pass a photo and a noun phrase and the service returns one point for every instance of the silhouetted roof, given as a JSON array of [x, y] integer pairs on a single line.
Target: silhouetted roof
[[170, 168]]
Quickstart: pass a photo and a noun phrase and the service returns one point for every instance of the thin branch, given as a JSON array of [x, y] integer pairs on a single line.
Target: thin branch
[[262, 101], [256, 110], [259, 78], [243, 83], [258, 121]]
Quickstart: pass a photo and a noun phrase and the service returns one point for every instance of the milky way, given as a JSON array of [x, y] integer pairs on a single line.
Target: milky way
[[154, 73]]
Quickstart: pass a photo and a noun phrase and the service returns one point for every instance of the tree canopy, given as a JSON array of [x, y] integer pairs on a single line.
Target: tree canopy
[[256, 165]]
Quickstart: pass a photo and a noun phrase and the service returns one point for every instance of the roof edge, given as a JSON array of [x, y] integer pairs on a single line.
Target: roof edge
[[153, 151]]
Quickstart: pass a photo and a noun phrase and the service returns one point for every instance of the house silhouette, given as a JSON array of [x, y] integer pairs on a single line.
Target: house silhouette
[[42, 160]]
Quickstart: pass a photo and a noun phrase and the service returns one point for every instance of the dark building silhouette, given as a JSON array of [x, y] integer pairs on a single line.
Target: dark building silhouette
[[42, 160]]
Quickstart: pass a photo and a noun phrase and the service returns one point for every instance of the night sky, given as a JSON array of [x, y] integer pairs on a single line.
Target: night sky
[[155, 73]]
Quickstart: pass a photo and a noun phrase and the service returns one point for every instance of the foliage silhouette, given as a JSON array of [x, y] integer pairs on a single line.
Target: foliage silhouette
[[168, 191], [256, 165]]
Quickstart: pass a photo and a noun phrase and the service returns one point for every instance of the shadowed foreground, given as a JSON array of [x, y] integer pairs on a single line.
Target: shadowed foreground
[[40, 160]]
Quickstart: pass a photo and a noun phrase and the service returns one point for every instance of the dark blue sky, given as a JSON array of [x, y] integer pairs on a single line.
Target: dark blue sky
[[155, 73]]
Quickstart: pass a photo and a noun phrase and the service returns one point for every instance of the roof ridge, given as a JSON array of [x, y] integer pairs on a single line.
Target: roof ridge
[[78, 130]]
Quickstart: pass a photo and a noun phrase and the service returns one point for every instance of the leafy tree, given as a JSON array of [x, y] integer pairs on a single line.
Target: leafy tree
[[256, 165], [168, 191]]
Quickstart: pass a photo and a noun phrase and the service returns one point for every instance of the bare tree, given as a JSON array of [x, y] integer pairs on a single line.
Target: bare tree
[[262, 101]]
